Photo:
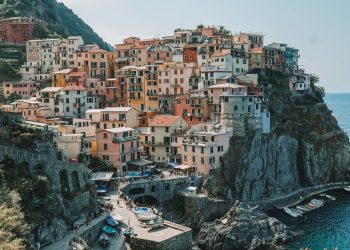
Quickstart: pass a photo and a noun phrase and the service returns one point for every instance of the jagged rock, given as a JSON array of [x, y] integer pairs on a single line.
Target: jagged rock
[[246, 228]]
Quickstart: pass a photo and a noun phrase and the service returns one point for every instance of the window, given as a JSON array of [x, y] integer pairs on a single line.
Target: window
[[185, 148], [105, 158], [202, 150], [105, 146], [185, 157], [202, 160], [105, 135], [193, 149], [193, 159], [152, 129], [212, 150], [235, 108], [167, 129], [67, 109], [67, 100]]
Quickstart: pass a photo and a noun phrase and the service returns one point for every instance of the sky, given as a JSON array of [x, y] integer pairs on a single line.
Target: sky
[[318, 28]]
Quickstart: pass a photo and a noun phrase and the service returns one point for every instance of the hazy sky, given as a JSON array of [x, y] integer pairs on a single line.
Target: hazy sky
[[319, 28]]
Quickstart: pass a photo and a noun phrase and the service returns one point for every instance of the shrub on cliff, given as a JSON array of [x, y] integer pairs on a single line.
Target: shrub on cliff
[[13, 228]]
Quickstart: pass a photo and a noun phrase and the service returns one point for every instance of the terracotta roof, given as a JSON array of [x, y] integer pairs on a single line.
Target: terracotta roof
[[74, 88], [219, 54], [98, 51], [77, 74], [162, 120]]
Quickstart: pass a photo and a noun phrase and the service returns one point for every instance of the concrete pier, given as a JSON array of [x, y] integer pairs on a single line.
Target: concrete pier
[[171, 236], [301, 195]]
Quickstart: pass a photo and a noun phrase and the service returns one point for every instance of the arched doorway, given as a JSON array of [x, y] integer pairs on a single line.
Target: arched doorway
[[64, 181], [148, 200], [75, 181]]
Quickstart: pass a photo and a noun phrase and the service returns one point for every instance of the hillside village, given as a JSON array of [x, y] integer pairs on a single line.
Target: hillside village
[[173, 101]]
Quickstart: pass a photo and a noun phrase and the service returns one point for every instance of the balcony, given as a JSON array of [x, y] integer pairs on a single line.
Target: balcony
[[124, 139]]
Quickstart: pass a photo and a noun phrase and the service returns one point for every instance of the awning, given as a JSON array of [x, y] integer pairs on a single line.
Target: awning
[[192, 189], [183, 167], [172, 164], [139, 162], [101, 176]]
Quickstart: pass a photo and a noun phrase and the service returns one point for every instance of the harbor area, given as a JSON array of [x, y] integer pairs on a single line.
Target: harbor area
[[169, 236]]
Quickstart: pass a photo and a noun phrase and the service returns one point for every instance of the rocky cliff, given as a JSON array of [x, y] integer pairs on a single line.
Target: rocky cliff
[[306, 147], [243, 227]]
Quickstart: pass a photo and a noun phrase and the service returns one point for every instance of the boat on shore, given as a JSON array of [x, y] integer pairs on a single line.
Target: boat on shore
[[141, 210], [292, 212], [104, 240], [155, 223], [111, 221], [146, 216], [109, 230], [128, 232], [347, 188]]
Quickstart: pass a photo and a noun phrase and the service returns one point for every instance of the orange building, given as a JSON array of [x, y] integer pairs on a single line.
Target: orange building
[[193, 108]]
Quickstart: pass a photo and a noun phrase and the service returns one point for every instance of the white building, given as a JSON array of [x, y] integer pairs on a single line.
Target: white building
[[53, 98], [77, 100]]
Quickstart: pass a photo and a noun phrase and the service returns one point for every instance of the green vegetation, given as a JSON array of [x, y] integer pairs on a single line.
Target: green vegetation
[[61, 20], [13, 228], [96, 164]]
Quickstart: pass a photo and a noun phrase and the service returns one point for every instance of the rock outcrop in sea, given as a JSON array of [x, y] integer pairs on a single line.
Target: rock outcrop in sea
[[243, 227]]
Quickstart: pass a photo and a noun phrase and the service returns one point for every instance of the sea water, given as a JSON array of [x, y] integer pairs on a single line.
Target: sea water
[[329, 226]]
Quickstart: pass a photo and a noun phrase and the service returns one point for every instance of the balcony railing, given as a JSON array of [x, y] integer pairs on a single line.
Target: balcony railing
[[124, 139]]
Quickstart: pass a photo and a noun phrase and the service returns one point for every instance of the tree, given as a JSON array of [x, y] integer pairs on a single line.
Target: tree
[[96, 164], [200, 26], [13, 228], [318, 90]]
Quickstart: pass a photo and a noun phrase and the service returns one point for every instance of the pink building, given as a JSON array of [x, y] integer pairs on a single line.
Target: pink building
[[119, 146], [193, 108], [159, 54], [204, 148], [24, 89]]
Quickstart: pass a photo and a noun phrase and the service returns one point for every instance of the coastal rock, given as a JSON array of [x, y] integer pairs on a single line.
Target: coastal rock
[[247, 227], [305, 148]]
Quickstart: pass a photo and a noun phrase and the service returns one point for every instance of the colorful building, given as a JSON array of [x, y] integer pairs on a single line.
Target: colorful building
[[119, 146]]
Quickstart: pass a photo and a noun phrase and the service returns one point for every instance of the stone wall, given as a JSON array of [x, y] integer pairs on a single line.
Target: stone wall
[[161, 189], [180, 242]]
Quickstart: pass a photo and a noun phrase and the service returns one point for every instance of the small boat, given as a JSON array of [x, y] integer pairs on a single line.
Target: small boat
[[109, 230], [146, 216], [347, 188], [312, 206], [104, 240], [111, 221], [117, 217], [292, 212], [155, 223], [303, 208], [330, 197], [317, 202], [128, 231], [141, 210]]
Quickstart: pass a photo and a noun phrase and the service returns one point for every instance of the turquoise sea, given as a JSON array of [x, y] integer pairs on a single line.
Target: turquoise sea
[[327, 227]]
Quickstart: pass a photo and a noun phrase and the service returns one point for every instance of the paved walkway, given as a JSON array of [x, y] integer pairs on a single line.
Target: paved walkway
[[64, 243]]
